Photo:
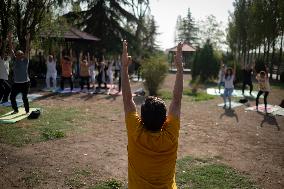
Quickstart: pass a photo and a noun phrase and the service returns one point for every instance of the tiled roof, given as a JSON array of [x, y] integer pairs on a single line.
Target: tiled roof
[[71, 33]]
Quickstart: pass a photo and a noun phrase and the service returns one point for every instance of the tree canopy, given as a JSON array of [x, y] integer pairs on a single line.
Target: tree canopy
[[256, 29]]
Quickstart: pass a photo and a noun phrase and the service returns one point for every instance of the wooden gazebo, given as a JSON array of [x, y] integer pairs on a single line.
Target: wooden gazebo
[[188, 53]]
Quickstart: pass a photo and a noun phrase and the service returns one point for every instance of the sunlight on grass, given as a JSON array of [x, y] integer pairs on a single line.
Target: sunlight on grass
[[205, 173], [52, 124], [199, 96]]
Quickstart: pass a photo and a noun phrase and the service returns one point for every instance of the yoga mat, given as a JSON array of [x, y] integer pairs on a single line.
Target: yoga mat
[[236, 93], [261, 108], [13, 118], [19, 100], [279, 112], [233, 104]]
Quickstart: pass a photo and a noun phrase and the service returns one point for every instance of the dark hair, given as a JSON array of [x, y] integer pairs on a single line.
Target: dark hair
[[262, 73], [226, 74], [153, 113]]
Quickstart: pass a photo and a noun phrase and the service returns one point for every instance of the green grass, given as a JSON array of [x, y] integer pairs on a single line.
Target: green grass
[[205, 173], [277, 85], [32, 179], [199, 96], [53, 123], [78, 178], [109, 184]]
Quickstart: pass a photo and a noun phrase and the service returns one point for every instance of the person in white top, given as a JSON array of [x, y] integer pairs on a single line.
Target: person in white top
[[110, 74], [264, 87], [5, 59], [221, 76], [51, 71], [229, 84], [92, 70]]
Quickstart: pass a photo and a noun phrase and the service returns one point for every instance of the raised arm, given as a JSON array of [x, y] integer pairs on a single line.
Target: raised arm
[[129, 105], [27, 51], [175, 105]]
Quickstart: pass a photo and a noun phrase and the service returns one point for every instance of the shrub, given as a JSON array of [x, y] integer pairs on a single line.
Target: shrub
[[154, 71], [205, 64]]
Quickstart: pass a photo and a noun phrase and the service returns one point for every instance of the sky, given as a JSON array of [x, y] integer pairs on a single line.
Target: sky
[[167, 11]]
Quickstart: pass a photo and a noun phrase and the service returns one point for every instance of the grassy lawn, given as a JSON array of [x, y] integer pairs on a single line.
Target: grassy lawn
[[54, 123], [187, 94], [190, 173]]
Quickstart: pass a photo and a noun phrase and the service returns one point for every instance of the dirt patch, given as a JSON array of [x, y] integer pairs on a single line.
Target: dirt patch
[[234, 137]]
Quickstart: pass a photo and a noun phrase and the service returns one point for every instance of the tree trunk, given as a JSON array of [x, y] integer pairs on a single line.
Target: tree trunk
[[264, 51], [267, 53], [258, 56], [272, 59], [280, 56]]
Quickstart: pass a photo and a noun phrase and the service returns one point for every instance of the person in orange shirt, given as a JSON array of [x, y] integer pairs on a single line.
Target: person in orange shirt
[[84, 73], [153, 137], [66, 67]]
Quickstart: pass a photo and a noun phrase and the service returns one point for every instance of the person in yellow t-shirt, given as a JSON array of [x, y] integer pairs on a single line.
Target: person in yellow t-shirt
[[153, 137]]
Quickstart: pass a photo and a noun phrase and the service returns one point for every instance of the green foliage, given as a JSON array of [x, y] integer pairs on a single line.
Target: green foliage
[[186, 29], [205, 64], [197, 96], [49, 134], [210, 28], [256, 25], [205, 173], [154, 71], [110, 184]]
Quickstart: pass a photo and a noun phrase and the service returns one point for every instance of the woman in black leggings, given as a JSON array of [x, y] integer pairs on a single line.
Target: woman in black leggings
[[264, 88]]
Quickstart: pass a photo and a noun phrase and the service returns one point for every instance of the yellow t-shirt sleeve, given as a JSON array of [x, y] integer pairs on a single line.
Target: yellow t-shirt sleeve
[[132, 121], [173, 125]]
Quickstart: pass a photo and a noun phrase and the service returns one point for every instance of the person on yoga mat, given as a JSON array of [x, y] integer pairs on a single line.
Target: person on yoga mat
[[229, 84], [67, 73], [5, 59], [247, 73], [153, 137], [21, 77], [264, 87], [84, 72], [51, 71], [221, 76]]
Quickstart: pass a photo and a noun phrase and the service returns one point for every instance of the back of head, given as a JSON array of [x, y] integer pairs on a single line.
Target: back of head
[[229, 72], [153, 113], [262, 74]]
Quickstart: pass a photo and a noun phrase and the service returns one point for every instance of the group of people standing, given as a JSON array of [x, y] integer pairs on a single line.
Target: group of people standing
[[91, 71], [227, 77], [21, 80]]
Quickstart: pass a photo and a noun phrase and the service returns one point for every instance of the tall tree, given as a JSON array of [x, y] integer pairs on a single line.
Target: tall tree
[[27, 16], [211, 29], [187, 30], [112, 21]]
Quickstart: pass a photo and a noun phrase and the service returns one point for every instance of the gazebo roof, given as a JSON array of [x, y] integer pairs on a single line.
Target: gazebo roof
[[70, 34], [185, 48]]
